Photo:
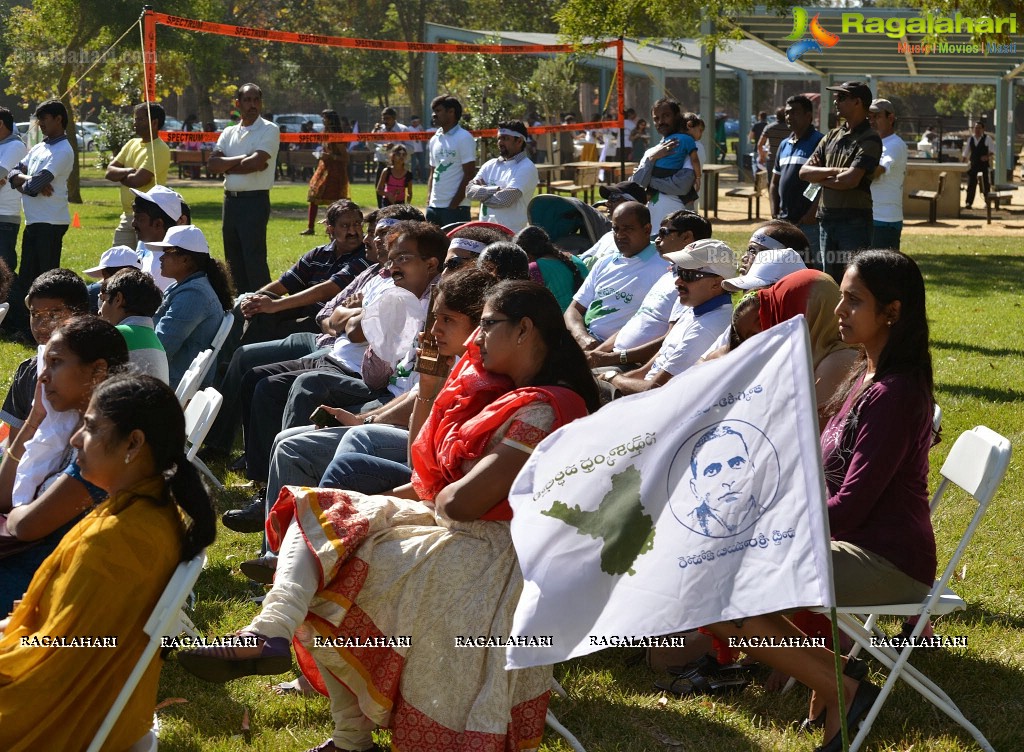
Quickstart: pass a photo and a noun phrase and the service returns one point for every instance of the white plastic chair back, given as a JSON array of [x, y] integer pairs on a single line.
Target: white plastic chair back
[[200, 414], [192, 379], [166, 620], [222, 334], [4, 308]]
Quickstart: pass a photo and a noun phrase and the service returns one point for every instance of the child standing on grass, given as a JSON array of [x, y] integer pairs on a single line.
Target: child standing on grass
[[395, 184]]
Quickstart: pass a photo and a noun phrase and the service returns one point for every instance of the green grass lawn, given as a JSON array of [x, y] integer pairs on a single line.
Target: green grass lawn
[[974, 300]]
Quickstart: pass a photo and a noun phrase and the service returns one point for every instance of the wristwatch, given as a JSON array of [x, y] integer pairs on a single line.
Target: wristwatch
[[623, 359], [369, 419]]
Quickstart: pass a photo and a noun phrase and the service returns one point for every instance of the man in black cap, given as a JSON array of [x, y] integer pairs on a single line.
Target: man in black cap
[[842, 166]]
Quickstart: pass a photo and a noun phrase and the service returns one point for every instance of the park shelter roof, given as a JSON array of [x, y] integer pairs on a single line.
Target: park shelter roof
[[679, 57]]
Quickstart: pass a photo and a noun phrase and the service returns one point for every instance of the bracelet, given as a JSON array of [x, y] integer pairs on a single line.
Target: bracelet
[[13, 456], [424, 399], [369, 420]]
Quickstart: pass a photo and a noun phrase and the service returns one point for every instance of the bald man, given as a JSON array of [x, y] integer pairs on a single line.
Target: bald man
[[615, 287]]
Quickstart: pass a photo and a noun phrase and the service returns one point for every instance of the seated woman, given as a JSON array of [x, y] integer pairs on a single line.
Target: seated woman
[[194, 305], [130, 444], [560, 272], [433, 561], [815, 295], [42, 492], [875, 450]]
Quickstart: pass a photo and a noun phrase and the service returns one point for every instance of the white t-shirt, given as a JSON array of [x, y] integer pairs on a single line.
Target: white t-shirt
[[652, 319], [605, 246], [691, 336], [887, 189], [58, 159], [242, 140], [347, 353], [521, 174], [448, 152], [12, 151], [615, 288], [628, 126]]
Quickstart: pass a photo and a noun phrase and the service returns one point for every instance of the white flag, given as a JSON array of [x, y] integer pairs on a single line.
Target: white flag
[[683, 506]]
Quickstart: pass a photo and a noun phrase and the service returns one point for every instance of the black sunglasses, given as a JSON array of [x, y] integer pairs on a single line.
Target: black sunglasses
[[691, 275]]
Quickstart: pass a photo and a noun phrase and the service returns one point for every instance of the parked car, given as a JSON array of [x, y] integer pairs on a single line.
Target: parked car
[[88, 135], [294, 121], [173, 124]]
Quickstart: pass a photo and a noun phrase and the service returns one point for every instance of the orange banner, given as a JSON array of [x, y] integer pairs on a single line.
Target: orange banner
[[191, 137], [387, 45]]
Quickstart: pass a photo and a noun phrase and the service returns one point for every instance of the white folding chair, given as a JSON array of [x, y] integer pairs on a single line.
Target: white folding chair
[[192, 379], [557, 726], [976, 463], [222, 334], [167, 620], [199, 416], [4, 308]]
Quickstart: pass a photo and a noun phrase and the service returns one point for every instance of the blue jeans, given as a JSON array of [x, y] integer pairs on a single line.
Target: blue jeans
[[886, 235], [369, 459], [222, 433], [841, 238], [813, 256]]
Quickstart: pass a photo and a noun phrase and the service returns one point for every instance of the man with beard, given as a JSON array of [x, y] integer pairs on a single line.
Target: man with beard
[[505, 185], [670, 170]]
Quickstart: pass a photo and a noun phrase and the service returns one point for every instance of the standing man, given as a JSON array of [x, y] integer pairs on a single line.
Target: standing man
[[12, 151], [842, 165], [247, 155], [505, 185], [671, 169], [42, 179], [771, 136], [887, 183], [418, 150], [976, 152], [451, 148], [787, 187], [141, 164]]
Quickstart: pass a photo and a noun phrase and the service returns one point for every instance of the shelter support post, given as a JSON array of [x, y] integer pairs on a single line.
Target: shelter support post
[[707, 87]]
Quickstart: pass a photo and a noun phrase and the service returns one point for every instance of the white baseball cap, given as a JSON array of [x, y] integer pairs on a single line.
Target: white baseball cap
[[169, 201], [186, 237], [115, 258], [707, 255], [768, 268]]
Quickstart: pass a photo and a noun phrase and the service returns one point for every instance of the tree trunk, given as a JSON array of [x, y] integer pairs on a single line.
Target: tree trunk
[[75, 178]]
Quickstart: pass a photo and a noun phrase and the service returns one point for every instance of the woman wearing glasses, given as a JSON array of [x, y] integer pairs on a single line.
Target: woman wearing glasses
[[431, 564]]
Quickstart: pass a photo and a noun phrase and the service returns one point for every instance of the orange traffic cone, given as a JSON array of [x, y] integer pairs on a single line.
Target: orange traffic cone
[[76, 222]]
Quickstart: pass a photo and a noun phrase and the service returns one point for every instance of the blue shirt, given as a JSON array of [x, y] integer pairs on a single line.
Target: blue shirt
[[792, 155], [675, 161], [187, 321]]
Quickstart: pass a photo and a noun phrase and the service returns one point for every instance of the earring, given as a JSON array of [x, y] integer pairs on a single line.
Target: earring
[[127, 458], [889, 323]]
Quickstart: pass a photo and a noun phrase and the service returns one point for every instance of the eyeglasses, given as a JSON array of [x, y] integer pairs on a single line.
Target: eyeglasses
[[401, 260], [664, 232], [53, 315], [487, 324], [692, 275]]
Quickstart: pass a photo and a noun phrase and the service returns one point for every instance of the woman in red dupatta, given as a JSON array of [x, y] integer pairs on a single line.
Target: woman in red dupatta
[[397, 605]]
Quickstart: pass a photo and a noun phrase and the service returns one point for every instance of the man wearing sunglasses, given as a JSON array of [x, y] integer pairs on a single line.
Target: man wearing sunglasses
[[842, 165], [699, 269]]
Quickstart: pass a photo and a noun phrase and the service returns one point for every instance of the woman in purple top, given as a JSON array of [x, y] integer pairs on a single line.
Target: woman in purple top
[[875, 450]]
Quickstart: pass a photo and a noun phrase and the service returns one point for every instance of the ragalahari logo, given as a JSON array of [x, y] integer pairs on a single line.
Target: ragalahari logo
[[819, 36]]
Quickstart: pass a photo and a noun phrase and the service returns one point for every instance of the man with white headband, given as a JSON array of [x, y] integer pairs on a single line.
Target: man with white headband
[[505, 185]]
